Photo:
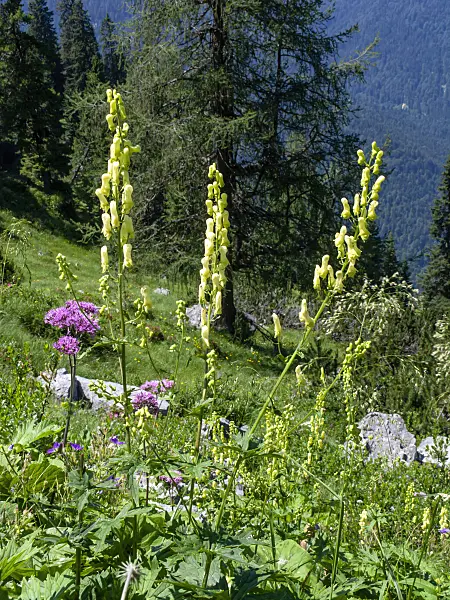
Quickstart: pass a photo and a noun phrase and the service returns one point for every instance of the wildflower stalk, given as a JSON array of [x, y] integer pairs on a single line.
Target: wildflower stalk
[[73, 370]]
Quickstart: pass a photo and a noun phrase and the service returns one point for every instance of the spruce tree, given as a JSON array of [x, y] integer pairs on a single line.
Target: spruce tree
[[113, 68], [79, 48], [437, 276]]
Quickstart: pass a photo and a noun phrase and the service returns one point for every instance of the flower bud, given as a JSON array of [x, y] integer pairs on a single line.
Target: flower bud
[[345, 214], [147, 303], [371, 215], [127, 201], [104, 204], [127, 262], [104, 258], [127, 229], [316, 280], [324, 268], [114, 216], [377, 185], [277, 326], [363, 231], [115, 172], [111, 123], [106, 230], [304, 315], [218, 303], [105, 189]]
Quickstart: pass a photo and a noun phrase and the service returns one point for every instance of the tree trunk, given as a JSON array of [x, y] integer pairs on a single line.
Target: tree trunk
[[223, 108]]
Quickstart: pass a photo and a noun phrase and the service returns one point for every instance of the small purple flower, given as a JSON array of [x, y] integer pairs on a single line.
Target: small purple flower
[[143, 398], [67, 345], [175, 480], [75, 446], [444, 530], [56, 446], [115, 440]]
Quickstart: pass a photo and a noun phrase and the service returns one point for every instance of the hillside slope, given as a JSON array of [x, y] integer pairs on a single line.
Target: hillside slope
[[406, 98]]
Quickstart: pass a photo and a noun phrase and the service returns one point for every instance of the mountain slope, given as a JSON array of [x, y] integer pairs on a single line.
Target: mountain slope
[[406, 98]]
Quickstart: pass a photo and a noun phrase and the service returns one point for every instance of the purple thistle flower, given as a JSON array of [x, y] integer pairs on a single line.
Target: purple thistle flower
[[74, 318], [175, 480], [56, 446], [75, 446], [67, 345], [143, 398], [157, 387], [115, 440]]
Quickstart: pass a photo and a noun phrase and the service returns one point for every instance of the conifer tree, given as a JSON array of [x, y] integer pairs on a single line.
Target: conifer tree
[[79, 48], [113, 69], [437, 275]]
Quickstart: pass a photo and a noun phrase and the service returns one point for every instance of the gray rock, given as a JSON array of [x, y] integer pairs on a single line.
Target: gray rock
[[90, 390], [427, 451], [162, 291], [385, 436], [60, 386], [194, 314]]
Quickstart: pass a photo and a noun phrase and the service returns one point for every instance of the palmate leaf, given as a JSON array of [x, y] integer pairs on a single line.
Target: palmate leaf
[[31, 432], [54, 587], [43, 474]]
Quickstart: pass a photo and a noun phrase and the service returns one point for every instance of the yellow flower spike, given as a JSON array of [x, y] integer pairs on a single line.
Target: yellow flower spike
[[127, 200], [331, 279], [115, 172], [147, 303], [339, 283], [106, 230], [127, 229], [371, 215], [205, 335], [323, 272], [304, 315], [345, 214], [127, 262], [104, 204], [111, 122], [356, 205], [277, 326], [106, 188], [361, 158], [104, 258], [363, 231], [316, 280], [377, 185], [114, 215], [218, 304]]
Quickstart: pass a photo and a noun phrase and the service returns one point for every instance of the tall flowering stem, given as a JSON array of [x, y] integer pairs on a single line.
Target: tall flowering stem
[[115, 196]]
